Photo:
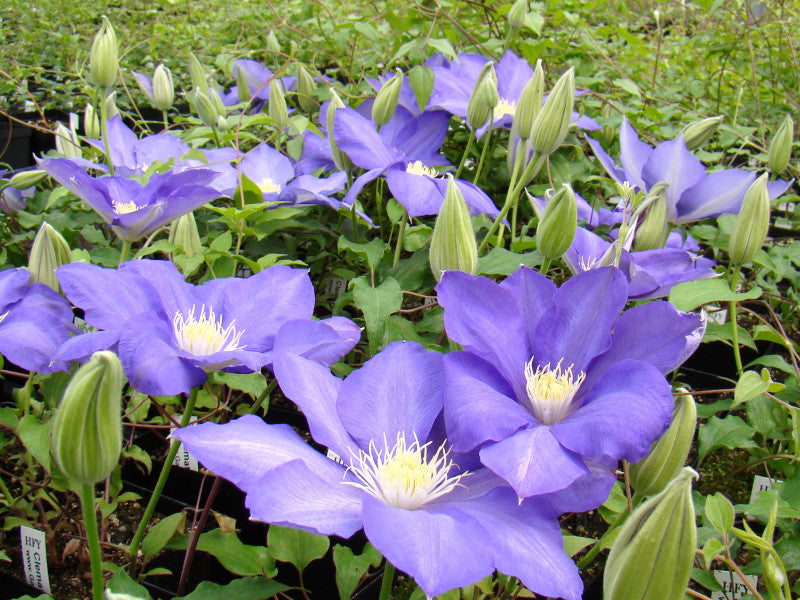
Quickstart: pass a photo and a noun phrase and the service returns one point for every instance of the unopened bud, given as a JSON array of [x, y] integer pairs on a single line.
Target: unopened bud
[[67, 143], [86, 437], [305, 89], [668, 454], [386, 101], [183, 233], [652, 556], [479, 106], [163, 88], [242, 85], [205, 109], [780, 149], [272, 43], [197, 74], [104, 57], [217, 101], [752, 224], [48, 252], [530, 103], [551, 124], [222, 123], [516, 15], [774, 576], [91, 122], [111, 105], [340, 159], [453, 246], [276, 108], [25, 179], [698, 133], [557, 226], [653, 229]]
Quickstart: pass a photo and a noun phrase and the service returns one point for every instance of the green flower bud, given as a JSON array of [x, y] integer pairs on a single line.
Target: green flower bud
[[183, 233], [217, 102], [222, 123], [111, 105], [104, 58], [48, 252], [25, 179], [340, 159], [489, 88], [197, 74], [653, 228], [86, 437], [780, 149], [478, 109], [557, 226], [752, 224], [305, 89], [67, 142], [516, 15], [550, 126], [205, 109], [91, 122], [698, 133], [652, 556], [277, 105], [163, 88], [386, 101], [272, 43], [530, 103], [668, 454], [453, 246], [242, 86], [774, 576]]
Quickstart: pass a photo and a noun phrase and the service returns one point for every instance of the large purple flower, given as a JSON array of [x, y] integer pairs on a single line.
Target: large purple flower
[[691, 193], [553, 380], [426, 509], [133, 209], [170, 334], [34, 322]]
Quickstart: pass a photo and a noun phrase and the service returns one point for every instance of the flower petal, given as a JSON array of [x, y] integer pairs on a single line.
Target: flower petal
[[716, 194]]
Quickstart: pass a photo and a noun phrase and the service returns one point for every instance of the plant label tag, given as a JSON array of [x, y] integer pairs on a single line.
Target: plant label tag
[[716, 314], [335, 286], [243, 271], [733, 586], [335, 457], [183, 459], [34, 558], [761, 484]]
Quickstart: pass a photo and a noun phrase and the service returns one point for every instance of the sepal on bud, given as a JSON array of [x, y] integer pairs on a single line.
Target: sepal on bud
[[104, 56], [25, 179], [551, 124], [276, 108], [698, 133], [48, 252], [530, 103], [91, 122], [197, 74], [305, 89], [780, 149], [183, 233], [206, 109], [558, 224], [480, 101], [67, 143], [386, 101], [453, 246], [752, 224], [517, 14], [86, 437], [273, 45], [653, 230], [163, 88]]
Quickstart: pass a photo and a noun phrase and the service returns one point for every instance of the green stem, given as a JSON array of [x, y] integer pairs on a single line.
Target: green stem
[[464, 156], [104, 129], [166, 120], [484, 150], [133, 550], [6, 493], [598, 545], [264, 395], [734, 326], [92, 539], [544, 266], [354, 220], [398, 248], [126, 249], [388, 579]]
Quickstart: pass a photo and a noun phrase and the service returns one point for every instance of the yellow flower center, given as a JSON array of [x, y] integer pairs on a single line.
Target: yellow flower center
[[504, 107], [551, 391], [404, 476], [419, 168], [124, 208], [268, 186], [205, 335]]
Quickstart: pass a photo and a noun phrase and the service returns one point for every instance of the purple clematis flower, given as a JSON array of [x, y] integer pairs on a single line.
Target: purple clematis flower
[[405, 150], [170, 334], [553, 381], [257, 76], [12, 199], [34, 322], [133, 209], [426, 509], [691, 193]]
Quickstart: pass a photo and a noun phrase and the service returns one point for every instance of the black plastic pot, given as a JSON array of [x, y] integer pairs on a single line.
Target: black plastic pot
[[15, 144]]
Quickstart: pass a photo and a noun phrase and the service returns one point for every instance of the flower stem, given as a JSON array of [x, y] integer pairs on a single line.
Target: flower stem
[[486, 145], [464, 156], [598, 545], [133, 549], [123, 253], [92, 539], [104, 129], [264, 395], [544, 266], [388, 579], [398, 248], [734, 325]]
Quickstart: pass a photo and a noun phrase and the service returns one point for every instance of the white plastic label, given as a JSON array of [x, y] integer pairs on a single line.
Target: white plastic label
[[761, 484], [335, 457], [34, 558], [733, 586], [183, 458], [335, 286]]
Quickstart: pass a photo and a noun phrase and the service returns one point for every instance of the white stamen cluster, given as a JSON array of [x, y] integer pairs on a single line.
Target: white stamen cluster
[[124, 208], [268, 186], [504, 107], [419, 168], [551, 391], [404, 476], [204, 335]]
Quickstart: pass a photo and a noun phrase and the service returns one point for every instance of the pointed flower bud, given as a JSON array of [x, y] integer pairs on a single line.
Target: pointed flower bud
[[277, 105], [653, 229], [386, 101], [652, 556], [111, 105], [86, 437], [25, 179], [222, 123], [48, 252], [752, 224], [305, 89], [67, 142], [91, 122], [698, 133], [104, 57], [516, 15], [557, 226], [340, 159], [272, 43], [780, 149], [453, 246], [205, 109], [242, 85], [668, 454], [551, 124], [163, 88], [530, 103], [479, 106], [183, 233], [197, 74]]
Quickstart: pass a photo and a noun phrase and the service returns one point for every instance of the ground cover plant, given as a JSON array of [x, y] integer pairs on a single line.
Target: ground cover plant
[[402, 300]]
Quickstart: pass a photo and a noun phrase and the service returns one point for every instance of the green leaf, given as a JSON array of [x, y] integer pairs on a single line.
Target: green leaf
[[628, 86], [235, 556], [688, 296], [443, 46], [34, 435], [122, 583], [4, 556], [296, 546], [420, 78], [750, 385], [730, 432], [253, 384], [351, 568], [8, 417], [162, 532], [764, 503], [372, 251], [222, 243], [719, 513], [751, 539], [139, 455], [712, 548], [499, 261], [246, 588], [377, 304], [575, 543], [705, 579]]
